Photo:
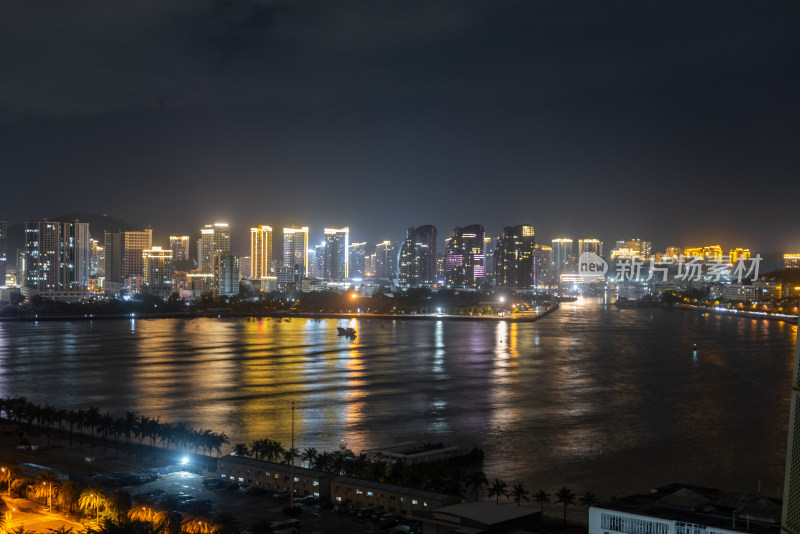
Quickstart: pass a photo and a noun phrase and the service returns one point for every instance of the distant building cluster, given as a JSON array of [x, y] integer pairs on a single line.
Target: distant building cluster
[[62, 259]]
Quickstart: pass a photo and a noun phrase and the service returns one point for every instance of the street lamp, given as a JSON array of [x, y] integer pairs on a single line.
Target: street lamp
[[49, 496]]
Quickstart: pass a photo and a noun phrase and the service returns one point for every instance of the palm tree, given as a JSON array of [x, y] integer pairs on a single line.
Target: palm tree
[[542, 497], [91, 500], [240, 449], [566, 497], [589, 499], [9, 471], [477, 480], [198, 524], [93, 418], [143, 512], [520, 493], [497, 489], [69, 494], [119, 503], [129, 425], [47, 488], [309, 455]]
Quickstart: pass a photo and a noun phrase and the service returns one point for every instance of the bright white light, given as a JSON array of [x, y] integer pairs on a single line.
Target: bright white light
[[184, 460]]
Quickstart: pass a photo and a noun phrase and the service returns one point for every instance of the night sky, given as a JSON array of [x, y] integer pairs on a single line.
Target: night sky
[[676, 122]]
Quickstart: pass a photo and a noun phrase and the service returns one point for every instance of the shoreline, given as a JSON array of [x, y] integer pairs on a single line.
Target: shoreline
[[746, 314], [282, 315]]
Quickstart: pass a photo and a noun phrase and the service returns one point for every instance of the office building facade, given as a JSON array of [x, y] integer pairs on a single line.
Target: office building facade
[[465, 257], [337, 263], [295, 250], [513, 257], [417, 264], [260, 252]]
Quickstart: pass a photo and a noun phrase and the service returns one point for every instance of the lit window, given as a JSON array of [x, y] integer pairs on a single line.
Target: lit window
[[359, 492], [339, 499], [370, 494], [414, 501], [316, 483]]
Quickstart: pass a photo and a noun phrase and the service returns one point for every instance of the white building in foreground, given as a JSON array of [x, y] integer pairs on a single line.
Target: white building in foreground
[[680, 509]]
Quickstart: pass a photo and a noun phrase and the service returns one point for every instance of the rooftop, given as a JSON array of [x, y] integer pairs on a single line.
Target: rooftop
[[741, 512]]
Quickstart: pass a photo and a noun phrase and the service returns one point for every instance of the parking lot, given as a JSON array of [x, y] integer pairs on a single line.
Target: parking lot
[[250, 508]]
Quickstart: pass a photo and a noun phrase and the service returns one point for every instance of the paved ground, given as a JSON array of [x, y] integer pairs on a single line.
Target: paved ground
[[249, 508]]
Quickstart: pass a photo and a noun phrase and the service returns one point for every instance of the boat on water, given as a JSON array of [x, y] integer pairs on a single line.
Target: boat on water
[[349, 332]]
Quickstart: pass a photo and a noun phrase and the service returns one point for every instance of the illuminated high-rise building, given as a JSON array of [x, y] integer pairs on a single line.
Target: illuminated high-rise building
[[215, 240], [385, 263], [75, 252], [542, 265], [295, 250], [465, 257], [562, 255], [133, 245], [673, 253], [791, 261], [311, 254], [737, 254], [112, 264], [337, 263], [712, 253], [260, 252], [513, 257], [790, 517], [226, 281], [417, 263], [316, 261], [593, 246], [157, 271], [3, 251], [179, 245], [42, 258], [357, 257]]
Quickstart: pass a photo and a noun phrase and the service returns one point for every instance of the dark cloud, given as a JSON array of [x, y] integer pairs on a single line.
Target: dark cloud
[[613, 118]]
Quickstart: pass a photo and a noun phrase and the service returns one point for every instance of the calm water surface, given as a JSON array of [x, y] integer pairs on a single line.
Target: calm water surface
[[592, 397]]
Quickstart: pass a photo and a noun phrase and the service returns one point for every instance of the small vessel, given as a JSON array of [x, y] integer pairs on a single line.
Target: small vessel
[[349, 332]]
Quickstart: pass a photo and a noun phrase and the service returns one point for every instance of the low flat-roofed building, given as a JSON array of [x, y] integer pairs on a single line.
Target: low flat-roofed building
[[681, 509], [413, 453], [478, 518], [395, 499], [274, 477]]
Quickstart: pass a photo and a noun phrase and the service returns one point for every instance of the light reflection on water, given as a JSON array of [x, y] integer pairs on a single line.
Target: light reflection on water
[[575, 399]]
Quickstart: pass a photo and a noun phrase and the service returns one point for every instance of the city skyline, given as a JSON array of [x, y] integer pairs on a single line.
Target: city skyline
[[569, 115]]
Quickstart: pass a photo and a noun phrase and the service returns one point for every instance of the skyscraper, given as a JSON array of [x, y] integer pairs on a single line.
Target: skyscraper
[[542, 265], [75, 252], [179, 245], [295, 250], [337, 263], [157, 271], [385, 264], [465, 257], [513, 257], [3, 251], [226, 283], [417, 266], [260, 251], [42, 258], [594, 246], [357, 257], [215, 239], [112, 266], [790, 518], [562, 255], [133, 245]]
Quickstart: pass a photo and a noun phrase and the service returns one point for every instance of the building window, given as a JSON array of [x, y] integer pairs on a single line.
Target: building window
[[358, 491], [338, 499], [370, 494], [316, 483], [414, 501]]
